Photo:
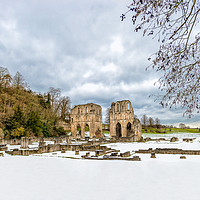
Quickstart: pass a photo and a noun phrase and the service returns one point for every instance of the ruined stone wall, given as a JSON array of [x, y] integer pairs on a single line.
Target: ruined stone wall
[[1, 133], [87, 115], [122, 121], [66, 126], [137, 127]]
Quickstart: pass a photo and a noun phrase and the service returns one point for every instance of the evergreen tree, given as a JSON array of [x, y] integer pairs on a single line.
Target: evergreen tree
[[34, 123]]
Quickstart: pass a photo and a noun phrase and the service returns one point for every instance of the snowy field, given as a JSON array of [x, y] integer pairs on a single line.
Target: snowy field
[[52, 177]]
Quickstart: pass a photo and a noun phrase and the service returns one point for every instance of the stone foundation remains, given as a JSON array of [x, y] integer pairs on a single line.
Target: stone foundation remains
[[169, 151]]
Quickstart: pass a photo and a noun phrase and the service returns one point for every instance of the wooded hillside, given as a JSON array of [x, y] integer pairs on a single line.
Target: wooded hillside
[[26, 113]]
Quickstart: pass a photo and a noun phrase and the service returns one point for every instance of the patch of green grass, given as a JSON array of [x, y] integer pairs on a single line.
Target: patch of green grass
[[106, 132], [87, 128], [188, 130], [155, 130], [168, 130]]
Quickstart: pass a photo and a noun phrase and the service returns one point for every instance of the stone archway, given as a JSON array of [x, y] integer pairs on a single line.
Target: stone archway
[[118, 130], [87, 130], [128, 128], [78, 130]]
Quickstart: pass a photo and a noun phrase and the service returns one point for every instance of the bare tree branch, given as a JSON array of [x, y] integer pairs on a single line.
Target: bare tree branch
[[174, 23]]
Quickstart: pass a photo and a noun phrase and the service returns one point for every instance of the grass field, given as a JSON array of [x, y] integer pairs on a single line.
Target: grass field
[[170, 130], [106, 132], [165, 130]]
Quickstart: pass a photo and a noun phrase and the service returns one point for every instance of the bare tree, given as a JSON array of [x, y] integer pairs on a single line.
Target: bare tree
[[182, 125], [5, 77], [107, 119], [151, 121], [174, 23], [157, 122], [19, 81], [54, 94], [65, 107], [144, 120]]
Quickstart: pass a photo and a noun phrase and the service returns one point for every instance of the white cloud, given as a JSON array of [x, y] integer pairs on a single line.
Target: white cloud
[[88, 74], [143, 86], [116, 45], [110, 67]]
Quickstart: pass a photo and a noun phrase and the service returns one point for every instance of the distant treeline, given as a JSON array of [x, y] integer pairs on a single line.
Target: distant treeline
[[155, 123], [150, 122]]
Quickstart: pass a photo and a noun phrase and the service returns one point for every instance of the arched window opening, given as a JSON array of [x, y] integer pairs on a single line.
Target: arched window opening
[[118, 130], [87, 130], [86, 109], [129, 131], [78, 129], [128, 106]]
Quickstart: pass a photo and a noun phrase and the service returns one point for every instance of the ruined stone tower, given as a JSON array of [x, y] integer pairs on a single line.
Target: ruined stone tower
[[122, 121], [86, 115]]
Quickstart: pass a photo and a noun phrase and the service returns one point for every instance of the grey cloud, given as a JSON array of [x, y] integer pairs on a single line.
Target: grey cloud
[[83, 48]]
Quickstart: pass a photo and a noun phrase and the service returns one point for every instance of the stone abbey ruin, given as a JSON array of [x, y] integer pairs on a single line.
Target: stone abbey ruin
[[122, 121], [123, 125], [87, 115]]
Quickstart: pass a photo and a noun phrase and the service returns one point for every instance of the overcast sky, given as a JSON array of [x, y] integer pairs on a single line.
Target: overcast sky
[[84, 49]]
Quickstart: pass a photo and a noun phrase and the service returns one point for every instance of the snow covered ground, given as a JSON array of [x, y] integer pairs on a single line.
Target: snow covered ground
[[53, 177]]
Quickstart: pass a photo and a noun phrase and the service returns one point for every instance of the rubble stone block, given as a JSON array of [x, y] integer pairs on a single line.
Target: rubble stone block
[[153, 155], [63, 151], [174, 139], [182, 157], [87, 154]]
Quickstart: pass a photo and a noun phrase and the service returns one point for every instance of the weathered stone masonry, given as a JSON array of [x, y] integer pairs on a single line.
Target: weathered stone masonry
[[89, 115], [122, 121]]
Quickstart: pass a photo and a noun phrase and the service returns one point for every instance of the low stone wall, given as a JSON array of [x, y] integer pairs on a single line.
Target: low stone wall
[[31, 140], [125, 154], [148, 139], [49, 148], [83, 147], [58, 147], [41, 149], [121, 139], [188, 139], [14, 142], [22, 152], [169, 151], [3, 147], [134, 158]]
